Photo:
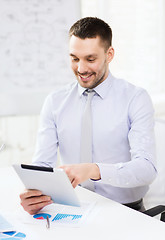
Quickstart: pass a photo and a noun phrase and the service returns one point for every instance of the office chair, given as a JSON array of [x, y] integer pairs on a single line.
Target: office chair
[[152, 212], [156, 195]]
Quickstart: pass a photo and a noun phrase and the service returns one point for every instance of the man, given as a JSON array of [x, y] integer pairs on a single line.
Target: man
[[122, 164]]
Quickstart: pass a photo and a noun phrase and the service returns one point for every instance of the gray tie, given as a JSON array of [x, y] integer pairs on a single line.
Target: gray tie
[[86, 137]]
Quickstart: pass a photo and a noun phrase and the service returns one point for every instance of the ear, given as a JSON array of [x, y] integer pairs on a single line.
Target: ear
[[110, 54]]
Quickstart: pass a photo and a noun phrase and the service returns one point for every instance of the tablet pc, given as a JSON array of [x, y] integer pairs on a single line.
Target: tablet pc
[[52, 182]]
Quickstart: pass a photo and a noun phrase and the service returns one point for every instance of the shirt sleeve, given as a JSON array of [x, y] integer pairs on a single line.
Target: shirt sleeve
[[47, 140], [141, 170]]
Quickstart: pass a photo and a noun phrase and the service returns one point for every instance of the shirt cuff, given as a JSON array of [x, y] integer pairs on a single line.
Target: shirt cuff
[[110, 174]]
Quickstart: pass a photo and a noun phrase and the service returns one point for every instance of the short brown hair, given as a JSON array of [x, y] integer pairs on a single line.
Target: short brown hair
[[91, 27]]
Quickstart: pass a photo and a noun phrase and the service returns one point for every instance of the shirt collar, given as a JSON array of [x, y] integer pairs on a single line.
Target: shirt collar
[[81, 90], [102, 89]]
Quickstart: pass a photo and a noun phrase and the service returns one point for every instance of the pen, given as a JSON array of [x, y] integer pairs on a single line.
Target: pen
[[2, 147], [47, 222]]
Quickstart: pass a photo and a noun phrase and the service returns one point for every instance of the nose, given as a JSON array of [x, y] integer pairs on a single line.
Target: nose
[[82, 67]]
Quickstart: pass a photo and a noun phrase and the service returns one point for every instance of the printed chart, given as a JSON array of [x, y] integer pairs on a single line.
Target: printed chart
[[12, 235], [42, 216], [63, 215], [59, 217]]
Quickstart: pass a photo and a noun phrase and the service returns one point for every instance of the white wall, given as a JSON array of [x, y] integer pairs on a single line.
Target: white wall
[[138, 28], [19, 135]]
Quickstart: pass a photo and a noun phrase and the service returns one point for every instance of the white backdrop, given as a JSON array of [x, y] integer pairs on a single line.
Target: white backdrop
[[138, 39], [156, 194], [34, 56]]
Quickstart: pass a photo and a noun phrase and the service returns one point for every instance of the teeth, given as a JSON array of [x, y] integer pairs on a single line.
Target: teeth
[[84, 77]]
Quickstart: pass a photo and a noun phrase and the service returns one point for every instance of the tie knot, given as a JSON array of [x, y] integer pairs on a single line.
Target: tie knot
[[90, 92]]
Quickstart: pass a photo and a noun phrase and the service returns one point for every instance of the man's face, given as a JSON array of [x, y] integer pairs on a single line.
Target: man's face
[[89, 61]]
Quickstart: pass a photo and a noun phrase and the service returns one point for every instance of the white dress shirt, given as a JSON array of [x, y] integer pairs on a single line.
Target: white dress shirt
[[123, 136]]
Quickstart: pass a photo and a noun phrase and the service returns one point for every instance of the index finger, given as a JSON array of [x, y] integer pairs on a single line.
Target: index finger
[[30, 193]]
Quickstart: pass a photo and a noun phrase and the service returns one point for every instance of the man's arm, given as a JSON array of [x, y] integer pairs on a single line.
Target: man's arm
[[141, 169], [47, 140]]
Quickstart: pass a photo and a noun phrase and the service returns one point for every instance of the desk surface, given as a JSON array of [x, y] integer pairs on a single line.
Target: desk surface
[[112, 221]]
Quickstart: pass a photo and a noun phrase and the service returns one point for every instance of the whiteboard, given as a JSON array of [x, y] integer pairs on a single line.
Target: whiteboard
[[34, 57]]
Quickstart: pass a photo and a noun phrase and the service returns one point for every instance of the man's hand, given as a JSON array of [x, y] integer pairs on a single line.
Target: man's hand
[[33, 201], [78, 173]]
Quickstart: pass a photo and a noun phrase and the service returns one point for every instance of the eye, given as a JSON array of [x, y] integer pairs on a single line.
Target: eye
[[75, 59], [91, 60]]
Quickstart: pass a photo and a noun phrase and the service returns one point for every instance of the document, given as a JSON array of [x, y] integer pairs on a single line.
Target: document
[[5, 226], [61, 215]]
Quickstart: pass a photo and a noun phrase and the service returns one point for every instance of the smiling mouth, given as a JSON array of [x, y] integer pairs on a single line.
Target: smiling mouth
[[85, 77]]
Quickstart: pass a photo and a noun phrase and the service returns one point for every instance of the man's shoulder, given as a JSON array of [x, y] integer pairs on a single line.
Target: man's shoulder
[[132, 95], [62, 91], [58, 96], [128, 88]]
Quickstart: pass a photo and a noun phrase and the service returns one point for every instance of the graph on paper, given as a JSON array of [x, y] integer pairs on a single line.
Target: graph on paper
[[42, 216], [12, 235], [59, 217], [64, 215]]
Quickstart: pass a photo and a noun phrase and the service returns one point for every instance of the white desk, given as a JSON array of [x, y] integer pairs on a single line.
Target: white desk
[[113, 221]]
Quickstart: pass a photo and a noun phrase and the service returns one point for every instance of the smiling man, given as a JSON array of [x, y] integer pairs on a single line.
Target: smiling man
[[121, 160], [89, 60]]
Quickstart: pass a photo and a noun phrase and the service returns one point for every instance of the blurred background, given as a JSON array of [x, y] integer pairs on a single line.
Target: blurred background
[[34, 58]]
